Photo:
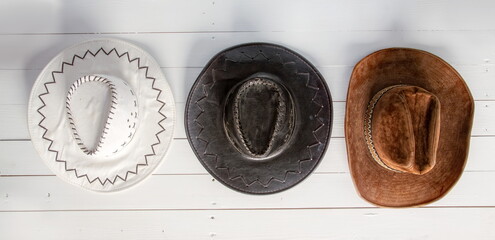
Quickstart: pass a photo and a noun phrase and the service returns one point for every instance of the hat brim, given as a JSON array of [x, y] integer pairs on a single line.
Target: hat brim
[[394, 66], [313, 114]]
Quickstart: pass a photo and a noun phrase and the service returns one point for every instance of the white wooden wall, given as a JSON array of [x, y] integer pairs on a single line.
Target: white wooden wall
[[181, 201]]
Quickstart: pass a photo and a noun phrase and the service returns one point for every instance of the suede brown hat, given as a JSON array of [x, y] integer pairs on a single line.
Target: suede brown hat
[[408, 123]]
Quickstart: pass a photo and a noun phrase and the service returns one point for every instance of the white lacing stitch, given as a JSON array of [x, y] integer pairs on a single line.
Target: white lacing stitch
[[113, 105], [367, 127]]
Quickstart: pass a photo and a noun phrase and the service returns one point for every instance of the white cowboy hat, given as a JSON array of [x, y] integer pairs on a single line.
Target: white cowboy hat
[[101, 115]]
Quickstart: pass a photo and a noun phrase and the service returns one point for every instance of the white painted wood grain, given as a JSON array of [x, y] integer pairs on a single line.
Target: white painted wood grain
[[310, 224], [180, 201], [93, 16], [328, 190], [323, 49]]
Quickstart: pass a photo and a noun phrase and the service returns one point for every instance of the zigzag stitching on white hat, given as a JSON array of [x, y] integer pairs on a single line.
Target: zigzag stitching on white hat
[[136, 171]]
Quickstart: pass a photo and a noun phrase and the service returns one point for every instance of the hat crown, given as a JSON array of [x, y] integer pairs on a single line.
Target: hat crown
[[103, 114], [259, 117], [405, 126]]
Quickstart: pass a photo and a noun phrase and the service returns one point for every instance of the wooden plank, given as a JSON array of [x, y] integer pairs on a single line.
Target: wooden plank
[[182, 201], [13, 122], [334, 190], [20, 158], [323, 49], [51, 16], [15, 85], [311, 224], [484, 112]]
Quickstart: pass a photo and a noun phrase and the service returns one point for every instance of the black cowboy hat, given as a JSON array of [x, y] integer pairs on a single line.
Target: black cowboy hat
[[259, 118]]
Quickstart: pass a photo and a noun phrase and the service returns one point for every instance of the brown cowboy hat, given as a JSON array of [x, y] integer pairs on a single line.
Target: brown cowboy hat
[[408, 123]]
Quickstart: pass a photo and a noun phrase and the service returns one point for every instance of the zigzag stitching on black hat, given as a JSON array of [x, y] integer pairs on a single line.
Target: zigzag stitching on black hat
[[136, 171], [308, 147]]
